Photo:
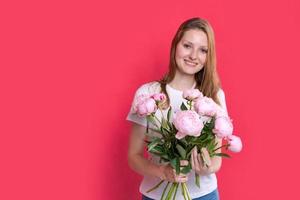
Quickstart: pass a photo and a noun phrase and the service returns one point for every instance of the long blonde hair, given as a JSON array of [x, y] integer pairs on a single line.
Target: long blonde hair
[[207, 79]]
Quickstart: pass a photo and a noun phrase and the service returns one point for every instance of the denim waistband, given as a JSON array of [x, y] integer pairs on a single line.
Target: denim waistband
[[214, 195]]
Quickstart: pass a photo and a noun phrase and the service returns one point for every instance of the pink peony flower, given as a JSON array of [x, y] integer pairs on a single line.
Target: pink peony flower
[[206, 106], [235, 143], [187, 123], [138, 100], [159, 97], [223, 126], [192, 94], [220, 112], [145, 105]]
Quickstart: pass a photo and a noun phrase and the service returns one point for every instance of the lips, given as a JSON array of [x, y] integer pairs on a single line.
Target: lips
[[190, 63]]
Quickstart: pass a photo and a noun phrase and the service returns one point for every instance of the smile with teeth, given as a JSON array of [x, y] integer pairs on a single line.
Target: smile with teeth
[[190, 63]]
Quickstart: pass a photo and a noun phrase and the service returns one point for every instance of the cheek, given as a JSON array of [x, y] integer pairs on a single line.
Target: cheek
[[180, 53], [203, 57]]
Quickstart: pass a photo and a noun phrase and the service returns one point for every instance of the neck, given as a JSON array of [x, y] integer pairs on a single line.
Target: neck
[[183, 82]]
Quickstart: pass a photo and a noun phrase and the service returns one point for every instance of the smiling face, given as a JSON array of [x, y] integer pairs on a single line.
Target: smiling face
[[191, 52]]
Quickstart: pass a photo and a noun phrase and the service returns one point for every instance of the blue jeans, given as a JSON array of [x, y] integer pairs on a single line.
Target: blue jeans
[[214, 195]]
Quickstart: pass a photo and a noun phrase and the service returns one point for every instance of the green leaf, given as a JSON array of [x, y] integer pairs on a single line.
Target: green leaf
[[153, 143], [175, 163], [155, 130], [157, 150], [169, 113], [147, 129], [177, 166], [164, 131], [223, 146], [151, 119], [164, 123], [222, 155], [171, 127], [211, 146], [183, 142], [189, 153], [186, 169], [183, 107], [181, 151], [165, 157]]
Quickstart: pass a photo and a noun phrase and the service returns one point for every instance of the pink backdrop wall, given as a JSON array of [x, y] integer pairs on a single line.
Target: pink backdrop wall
[[69, 70]]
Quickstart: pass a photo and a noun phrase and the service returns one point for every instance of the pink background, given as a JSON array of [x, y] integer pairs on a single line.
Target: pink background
[[69, 70]]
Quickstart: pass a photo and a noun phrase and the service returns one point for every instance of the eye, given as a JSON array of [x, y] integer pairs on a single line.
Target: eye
[[187, 46], [203, 50]]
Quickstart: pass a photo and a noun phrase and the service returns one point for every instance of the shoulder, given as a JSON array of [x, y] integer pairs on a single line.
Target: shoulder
[[221, 97], [149, 88], [221, 94]]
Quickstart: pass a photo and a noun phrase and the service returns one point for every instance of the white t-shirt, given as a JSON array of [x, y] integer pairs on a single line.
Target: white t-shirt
[[207, 183]]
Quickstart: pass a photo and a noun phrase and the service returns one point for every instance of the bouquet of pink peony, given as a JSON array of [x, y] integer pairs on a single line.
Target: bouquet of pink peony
[[197, 124]]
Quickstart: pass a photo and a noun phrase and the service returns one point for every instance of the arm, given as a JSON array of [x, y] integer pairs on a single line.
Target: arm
[[141, 165], [136, 160]]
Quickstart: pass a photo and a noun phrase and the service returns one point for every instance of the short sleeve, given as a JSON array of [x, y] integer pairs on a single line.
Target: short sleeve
[[221, 96], [146, 89]]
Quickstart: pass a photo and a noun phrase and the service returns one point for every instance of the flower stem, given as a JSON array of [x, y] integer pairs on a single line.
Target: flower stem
[[187, 192], [225, 145], [162, 114], [182, 191], [157, 119], [174, 197], [163, 194], [190, 104], [171, 191], [197, 180]]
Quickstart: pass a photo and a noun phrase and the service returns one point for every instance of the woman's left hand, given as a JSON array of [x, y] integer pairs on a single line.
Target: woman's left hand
[[201, 162]]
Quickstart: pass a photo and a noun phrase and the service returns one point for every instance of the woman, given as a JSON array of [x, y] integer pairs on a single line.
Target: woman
[[192, 65]]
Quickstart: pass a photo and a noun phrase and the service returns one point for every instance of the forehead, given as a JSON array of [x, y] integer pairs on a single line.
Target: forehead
[[196, 37]]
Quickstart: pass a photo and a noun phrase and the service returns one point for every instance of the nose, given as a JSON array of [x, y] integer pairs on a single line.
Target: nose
[[193, 55]]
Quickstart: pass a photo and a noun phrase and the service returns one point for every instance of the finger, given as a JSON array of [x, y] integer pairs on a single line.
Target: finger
[[182, 175], [200, 161], [206, 156], [181, 179], [192, 161], [174, 172], [170, 176], [194, 155], [184, 163], [196, 160], [176, 175]]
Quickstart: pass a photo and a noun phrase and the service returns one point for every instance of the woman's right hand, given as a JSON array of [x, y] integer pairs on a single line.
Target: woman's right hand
[[169, 174]]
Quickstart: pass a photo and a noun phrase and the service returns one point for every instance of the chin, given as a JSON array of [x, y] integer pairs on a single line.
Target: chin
[[190, 71]]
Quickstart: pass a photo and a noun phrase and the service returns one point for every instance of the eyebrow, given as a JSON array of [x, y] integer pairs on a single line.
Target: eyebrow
[[193, 44]]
